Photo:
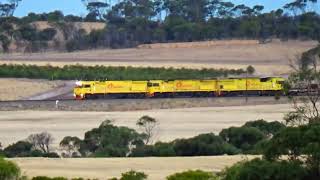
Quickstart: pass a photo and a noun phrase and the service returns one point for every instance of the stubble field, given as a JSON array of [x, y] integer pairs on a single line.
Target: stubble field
[[173, 123], [269, 59]]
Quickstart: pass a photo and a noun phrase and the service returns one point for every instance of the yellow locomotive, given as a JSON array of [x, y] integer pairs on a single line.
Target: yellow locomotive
[[179, 88]]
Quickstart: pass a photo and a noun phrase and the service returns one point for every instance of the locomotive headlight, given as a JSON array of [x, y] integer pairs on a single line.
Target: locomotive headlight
[[74, 95], [79, 83]]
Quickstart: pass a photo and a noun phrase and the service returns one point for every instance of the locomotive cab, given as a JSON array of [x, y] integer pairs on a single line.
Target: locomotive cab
[[82, 88]]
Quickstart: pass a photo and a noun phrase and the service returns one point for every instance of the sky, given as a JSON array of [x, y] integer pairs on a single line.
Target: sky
[[77, 8]]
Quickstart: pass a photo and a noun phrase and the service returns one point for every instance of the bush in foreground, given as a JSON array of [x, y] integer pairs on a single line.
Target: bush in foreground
[[8, 170], [48, 178], [259, 169], [133, 175], [193, 175]]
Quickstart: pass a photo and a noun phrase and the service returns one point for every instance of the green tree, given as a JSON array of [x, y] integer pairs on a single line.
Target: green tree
[[8, 8], [21, 149], [71, 145], [244, 138], [296, 142], [265, 170], [110, 141], [47, 34], [97, 9], [203, 145], [301, 137], [268, 128], [55, 16], [251, 70]]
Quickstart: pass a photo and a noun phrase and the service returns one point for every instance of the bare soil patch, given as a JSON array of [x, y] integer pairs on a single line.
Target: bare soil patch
[[156, 168], [174, 123], [17, 89]]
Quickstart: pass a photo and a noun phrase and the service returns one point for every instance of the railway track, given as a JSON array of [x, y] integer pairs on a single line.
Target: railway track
[[134, 104]]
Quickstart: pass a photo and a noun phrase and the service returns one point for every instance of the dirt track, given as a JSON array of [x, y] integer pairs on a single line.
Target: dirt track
[[156, 168], [268, 59]]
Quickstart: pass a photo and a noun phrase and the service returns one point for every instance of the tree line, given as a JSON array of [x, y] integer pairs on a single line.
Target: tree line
[[111, 141], [133, 22], [79, 72]]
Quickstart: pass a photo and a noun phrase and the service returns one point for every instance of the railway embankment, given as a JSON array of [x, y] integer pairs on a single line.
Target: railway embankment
[[110, 105]]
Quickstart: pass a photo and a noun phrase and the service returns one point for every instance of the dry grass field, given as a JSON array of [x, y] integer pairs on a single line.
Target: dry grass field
[[173, 123], [103, 169], [16, 89], [269, 59]]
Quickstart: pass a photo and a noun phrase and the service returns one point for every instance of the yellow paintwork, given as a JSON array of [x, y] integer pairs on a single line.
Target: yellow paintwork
[[250, 84], [149, 88]]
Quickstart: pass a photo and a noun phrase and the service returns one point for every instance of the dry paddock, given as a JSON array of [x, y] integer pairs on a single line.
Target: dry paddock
[[173, 123], [268, 59], [103, 169], [20, 88]]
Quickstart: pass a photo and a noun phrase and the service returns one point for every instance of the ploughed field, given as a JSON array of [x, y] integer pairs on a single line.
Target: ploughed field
[[173, 123], [156, 168], [268, 59]]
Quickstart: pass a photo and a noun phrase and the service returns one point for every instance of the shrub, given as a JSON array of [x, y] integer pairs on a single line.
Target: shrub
[[51, 155], [48, 178], [244, 138], [203, 145], [47, 34], [265, 170], [8, 170], [268, 128], [19, 149], [110, 141], [193, 175], [133, 175], [250, 70]]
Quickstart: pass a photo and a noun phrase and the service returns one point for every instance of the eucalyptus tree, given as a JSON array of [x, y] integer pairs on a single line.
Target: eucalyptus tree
[[7, 8], [96, 8], [219, 8], [301, 6]]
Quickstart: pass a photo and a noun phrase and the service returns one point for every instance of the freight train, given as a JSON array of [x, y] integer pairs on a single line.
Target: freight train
[[269, 86]]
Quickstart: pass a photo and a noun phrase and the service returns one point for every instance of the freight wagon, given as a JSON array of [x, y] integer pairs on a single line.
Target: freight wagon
[[179, 88]]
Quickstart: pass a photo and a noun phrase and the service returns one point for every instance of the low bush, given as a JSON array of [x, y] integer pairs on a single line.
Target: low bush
[[8, 170], [193, 175], [20, 149], [259, 169], [48, 178], [202, 145], [133, 175]]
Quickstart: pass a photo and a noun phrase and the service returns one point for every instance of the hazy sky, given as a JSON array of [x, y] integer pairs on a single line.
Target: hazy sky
[[76, 7]]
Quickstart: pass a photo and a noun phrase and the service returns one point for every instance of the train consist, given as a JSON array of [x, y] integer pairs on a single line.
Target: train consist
[[179, 88]]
